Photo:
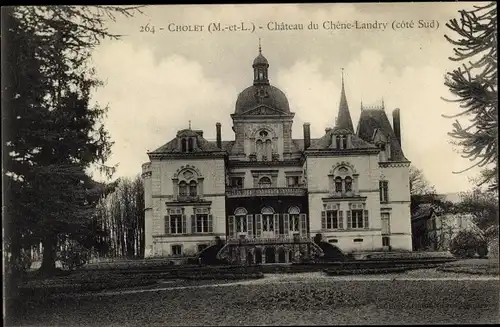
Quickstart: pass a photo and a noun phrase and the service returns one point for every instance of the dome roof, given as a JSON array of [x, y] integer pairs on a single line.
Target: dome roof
[[249, 98], [260, 60]]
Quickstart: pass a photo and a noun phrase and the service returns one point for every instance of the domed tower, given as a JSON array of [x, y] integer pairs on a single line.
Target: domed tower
[[262, 121]]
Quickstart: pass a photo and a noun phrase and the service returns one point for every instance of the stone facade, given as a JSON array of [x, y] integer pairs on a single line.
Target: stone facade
[[266, 188]]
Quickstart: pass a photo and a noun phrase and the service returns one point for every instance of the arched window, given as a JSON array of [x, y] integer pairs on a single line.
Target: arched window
[[294, 213], [269, 150], [193, 188], [190, 145], [264, 182], [338, 184], [348, 184], [267, 219], [241, 220], [264, 145], [183, 188]]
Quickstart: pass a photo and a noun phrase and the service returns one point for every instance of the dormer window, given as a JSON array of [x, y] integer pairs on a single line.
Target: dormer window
[[341, 141], [338, 184], [348, 184], [187, 144]]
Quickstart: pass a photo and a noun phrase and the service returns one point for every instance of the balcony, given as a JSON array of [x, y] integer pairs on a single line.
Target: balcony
[[274, 240], [270, 191]]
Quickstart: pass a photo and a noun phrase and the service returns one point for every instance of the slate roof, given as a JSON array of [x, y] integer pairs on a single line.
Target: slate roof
[[369, 121], [202, 145], [344, 120]]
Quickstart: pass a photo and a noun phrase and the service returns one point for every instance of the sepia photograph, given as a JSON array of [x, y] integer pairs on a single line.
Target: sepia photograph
[[250, 164]]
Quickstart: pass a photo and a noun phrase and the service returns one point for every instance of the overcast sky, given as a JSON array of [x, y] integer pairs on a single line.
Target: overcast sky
[[156, 82]]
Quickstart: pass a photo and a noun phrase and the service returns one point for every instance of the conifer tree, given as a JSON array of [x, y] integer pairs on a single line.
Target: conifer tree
[[474, 86]]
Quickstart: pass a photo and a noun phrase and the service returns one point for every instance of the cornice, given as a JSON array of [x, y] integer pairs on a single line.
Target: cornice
[[245, 164], [190, 155], [392, 164], [338, 153]]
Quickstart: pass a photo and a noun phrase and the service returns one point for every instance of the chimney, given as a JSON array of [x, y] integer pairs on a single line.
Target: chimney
[[219, 138], [396, 124], [307, 135]]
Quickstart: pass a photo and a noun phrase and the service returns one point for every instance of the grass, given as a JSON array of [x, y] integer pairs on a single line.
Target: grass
[[312, 301]]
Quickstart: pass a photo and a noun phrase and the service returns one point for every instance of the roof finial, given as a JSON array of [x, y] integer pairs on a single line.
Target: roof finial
[[361, 104], [383, 105], [260, 48], [189, 124], [342, 77]]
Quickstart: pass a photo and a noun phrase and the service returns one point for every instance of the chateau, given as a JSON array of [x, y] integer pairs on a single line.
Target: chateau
[[266, 190]]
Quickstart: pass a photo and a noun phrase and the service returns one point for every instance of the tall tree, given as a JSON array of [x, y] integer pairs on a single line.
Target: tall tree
[[482, 205], [419, 185], [55, 134], [474, 85]]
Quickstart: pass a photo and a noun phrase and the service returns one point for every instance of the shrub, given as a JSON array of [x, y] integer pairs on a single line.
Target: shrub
[[466, 243]]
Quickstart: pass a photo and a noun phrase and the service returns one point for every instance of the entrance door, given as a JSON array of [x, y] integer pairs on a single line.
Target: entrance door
[[281, 256], [258, 256], [270, 255]]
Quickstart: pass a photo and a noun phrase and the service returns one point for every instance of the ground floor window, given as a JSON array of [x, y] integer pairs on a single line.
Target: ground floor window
[[386, 241], [294, 223], [267, 224], [241, 224], [176, 249], [202, 223]]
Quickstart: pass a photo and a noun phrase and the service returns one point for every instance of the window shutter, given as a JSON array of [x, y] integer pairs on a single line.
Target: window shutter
[[341, 219], [276, 224], [258, 225], [365, 217], [303, 224], [183, 224], [349, 219], [323, 219], [210, 223], [250, 225], [286, 222], [193, 224], [231, 226], [167, 224]]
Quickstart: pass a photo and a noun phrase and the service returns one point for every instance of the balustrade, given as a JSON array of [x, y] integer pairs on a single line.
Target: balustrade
[[271, 191]]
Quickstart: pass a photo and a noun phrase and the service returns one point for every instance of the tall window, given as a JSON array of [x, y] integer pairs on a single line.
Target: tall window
[[190, 144], [193, 188], [338, 184], [241, 224], [265, 182], [202, 223], [332, 219], [348, 184], [176, 224], [384, 191], [357, 218], [385, 222], [183, 188], [240, 220], [267, 223]]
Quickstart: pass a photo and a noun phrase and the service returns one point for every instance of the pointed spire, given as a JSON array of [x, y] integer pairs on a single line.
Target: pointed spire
[[344, 120], [260, 48]]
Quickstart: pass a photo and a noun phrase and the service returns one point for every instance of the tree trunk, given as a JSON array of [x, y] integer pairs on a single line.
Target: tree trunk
[[49, 254]]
